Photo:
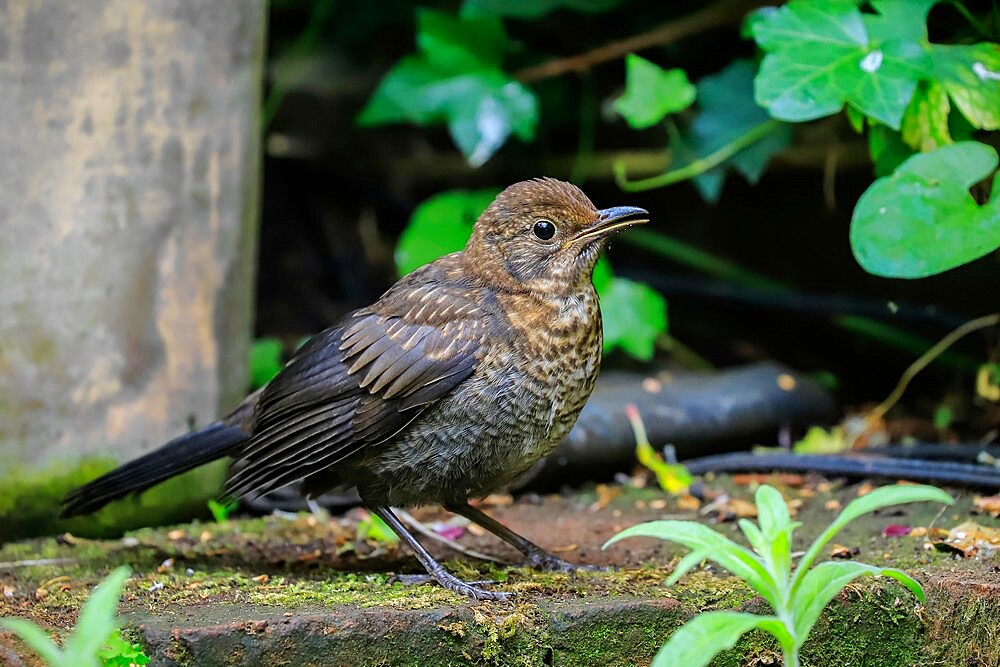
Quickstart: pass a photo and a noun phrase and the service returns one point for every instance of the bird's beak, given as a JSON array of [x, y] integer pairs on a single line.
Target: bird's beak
[[613, 219]]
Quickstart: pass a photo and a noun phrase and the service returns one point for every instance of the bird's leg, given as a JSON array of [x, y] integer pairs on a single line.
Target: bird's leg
[[434, 568], [536, 556]]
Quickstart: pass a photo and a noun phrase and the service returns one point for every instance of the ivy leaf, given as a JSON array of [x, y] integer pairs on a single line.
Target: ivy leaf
[[971, 75], [533, 9], [440, 225], [887, 149], [925, 121], [456, 78], [634, 315], [726, 111], [922, 220], [823, 53], [652, 92], [265, 360]]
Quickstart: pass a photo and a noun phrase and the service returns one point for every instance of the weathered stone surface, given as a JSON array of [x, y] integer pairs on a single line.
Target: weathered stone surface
[[128, 202], [302, 590]]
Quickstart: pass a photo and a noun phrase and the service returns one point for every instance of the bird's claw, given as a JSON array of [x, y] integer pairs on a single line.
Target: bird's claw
[[452, 583]]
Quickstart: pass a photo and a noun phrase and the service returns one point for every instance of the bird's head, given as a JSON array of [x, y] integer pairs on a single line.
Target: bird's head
[[544, 235]]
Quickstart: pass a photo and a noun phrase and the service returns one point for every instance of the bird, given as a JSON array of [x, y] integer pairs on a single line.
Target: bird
[[450, 386]]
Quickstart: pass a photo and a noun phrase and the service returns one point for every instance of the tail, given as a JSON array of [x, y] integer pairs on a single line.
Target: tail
[[177, 456]]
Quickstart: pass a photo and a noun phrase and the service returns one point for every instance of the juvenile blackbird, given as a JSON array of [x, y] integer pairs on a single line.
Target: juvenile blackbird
[[449, 387]]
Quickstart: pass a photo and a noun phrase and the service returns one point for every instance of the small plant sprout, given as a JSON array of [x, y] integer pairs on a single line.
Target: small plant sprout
[[797, 595], [96, 640], [672, 477]]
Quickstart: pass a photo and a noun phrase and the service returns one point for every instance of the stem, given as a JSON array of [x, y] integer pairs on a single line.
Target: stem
[[698, 166], [972, 20], [303, 44], [689, 255], [792, 657], [904, 381], [712, 16], [588, 131]]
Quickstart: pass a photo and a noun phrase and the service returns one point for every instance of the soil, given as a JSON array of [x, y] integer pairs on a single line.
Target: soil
[[304, 590]]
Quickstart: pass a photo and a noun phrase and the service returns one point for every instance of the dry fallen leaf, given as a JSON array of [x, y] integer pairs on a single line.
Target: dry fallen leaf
[[896, 530], [970, 539], [840, 551], [262, 579], [734, 508], [865, 489], [833, 505], [565, 548], [987, 504], [688, 503], [605, 494], [779, 478], [497, 500], [166, 566], [176, 535]]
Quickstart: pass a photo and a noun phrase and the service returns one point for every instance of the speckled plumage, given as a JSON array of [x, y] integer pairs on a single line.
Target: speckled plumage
[[456, 381]]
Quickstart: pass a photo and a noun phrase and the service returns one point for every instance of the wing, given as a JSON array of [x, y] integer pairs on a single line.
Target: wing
[[360, 383]]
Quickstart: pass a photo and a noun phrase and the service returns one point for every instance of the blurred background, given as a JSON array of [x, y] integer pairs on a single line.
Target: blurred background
[[189, 191]]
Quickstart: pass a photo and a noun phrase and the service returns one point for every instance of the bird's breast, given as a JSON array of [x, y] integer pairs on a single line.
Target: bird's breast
[[557, 346]]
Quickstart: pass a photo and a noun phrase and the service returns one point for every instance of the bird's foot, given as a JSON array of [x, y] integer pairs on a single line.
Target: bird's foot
[[453, 583]]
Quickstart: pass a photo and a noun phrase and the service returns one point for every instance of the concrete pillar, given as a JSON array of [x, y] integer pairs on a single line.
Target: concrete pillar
[[129, 169]]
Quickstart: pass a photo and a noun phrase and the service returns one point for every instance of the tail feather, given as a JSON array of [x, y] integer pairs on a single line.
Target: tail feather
[[177, 456]]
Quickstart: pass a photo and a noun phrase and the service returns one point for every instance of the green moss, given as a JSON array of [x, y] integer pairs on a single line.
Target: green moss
[[29, 504]]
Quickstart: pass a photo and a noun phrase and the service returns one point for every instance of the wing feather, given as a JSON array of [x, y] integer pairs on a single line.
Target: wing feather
[[361, 383]]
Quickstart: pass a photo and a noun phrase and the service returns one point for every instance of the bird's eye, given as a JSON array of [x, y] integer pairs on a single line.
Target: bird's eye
[[544, 229]]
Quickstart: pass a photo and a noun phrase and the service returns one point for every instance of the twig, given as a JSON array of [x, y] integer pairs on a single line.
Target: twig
[[35, 562], [418, 526], [698, 166], [713, 16], [904, 381]]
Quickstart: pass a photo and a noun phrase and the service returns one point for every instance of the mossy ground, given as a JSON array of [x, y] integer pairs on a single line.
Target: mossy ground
[[296, 586], [30, 500]]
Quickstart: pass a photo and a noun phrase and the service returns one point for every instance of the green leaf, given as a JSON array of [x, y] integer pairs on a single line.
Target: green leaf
[[686, 564], [855, 118], [36, 638], [706, 635], [971, 75], [374, 528], [772, 512], [634, 315], [533, 9], [898, 20], [885, 496], [456, 78], [602, 274], [726, 112], [887, 148], [826, 580], [739, 560], [98, 619], [440, 225], [925, 121], [117, 652], [460, 43], [265, 361], [652, 92], [922, 220], [820, 54]]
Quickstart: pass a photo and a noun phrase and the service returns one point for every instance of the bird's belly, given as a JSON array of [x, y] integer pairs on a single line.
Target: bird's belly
[[483, 437]]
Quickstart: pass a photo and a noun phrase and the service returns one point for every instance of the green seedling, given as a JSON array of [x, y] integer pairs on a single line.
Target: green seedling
[[96, 640], [221, 511], [796, 595]]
